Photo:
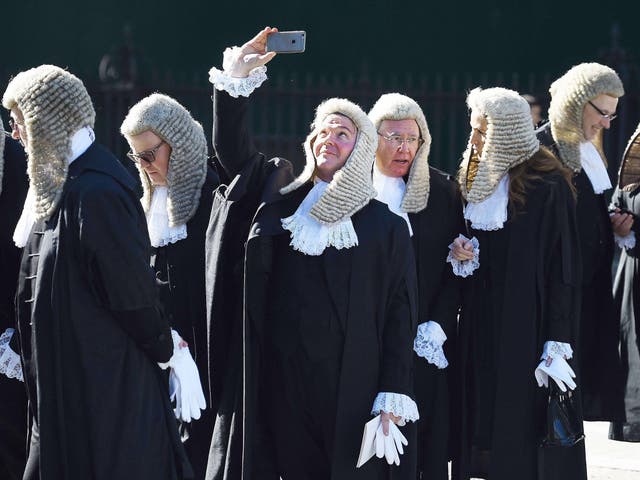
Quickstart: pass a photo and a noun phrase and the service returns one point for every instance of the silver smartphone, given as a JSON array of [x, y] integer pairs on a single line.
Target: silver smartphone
[[286, 42]]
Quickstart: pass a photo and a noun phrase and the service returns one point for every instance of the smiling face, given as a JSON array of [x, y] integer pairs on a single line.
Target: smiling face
[[334, 143], [141, 145], [592, 120], [395, 160]]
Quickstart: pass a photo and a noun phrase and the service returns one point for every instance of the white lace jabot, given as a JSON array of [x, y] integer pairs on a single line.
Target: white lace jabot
[[594, 167], [160, 233], [80, 142], [391, 191], [310, 236], [490, 213]]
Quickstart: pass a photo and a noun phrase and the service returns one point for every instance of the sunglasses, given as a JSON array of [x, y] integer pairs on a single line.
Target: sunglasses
[[148, 156]]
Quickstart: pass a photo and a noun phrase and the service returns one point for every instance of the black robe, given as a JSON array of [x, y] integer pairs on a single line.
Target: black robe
[[626, 292], [599, 359], [525, 292], [434, 228], [180, 271], [91, 335], [378, 305], [13, 400]]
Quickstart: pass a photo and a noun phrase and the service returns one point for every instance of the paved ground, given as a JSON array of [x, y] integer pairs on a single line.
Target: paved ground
[[607, 459]]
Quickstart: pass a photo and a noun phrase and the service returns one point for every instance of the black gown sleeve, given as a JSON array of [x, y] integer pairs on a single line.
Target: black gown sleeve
[[114, 247], [232, 140], [564, 271], [449, 297], [401, 318], [619, 200], [12, 196]]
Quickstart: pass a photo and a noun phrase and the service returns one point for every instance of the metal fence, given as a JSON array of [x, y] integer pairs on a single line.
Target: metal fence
[[283, 107]]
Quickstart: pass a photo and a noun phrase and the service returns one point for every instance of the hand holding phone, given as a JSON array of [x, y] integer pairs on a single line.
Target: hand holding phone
[[251, 55], [287, 42]]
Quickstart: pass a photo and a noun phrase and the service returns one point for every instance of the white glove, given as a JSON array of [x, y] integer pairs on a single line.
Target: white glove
[[184, 382], [559, 370], [390, 446]]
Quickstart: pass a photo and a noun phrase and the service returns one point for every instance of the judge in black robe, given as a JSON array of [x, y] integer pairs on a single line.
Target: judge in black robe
[[309, 340], [13, 400], [177, 206], [576, 118], [600, 366], [430, 202], [91, 333], [523, 298], [626, 290]]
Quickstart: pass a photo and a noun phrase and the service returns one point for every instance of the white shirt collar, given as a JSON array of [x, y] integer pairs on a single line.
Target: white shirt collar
[[490, 213], [594, 167], [26, 221], [312, 237], [80, 143], [160, 233], [391, 191]]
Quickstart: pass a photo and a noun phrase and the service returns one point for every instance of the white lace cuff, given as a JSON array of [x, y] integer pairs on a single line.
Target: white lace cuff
[[9, 360], [627, 242], [465, 268], [428, 343], [555, 350], [236, 86], [398, 404]]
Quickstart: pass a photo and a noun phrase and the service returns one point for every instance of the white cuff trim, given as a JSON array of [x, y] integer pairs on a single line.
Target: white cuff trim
[[398, 404], [627, 242], [465, 268], [236, 86], [556, 350], [428, 344], [9, 360]]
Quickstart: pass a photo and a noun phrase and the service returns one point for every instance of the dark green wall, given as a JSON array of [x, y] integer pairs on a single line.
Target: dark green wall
[[376, 35], [433, 51]]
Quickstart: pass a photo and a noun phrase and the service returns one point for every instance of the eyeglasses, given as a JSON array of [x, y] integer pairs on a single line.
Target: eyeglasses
[[607, 116], [398, 140], [148, 156]]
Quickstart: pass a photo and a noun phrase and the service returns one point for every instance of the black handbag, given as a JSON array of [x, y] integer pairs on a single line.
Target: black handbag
[[563, 426], [561, 453]]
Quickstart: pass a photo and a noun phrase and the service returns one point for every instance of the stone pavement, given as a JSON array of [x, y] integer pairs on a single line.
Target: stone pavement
[[608, 459]]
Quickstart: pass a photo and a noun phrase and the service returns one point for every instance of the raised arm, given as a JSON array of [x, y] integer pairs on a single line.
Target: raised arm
[[243, 71]]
